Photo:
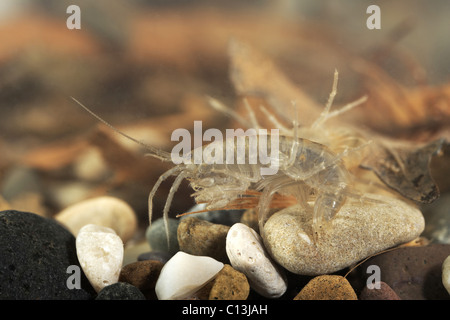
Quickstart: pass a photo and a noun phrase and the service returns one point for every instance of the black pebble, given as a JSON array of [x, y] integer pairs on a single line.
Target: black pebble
[[35, 254], [120, 291]]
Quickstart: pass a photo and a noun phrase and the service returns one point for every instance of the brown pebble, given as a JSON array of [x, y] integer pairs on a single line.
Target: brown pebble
[[143, 275], [203, 238], [385, 292], [229, 284], [327, 287], [414, 273]]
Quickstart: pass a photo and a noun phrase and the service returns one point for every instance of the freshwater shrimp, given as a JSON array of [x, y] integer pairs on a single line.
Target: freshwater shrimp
[[311, 163], [307, 171]]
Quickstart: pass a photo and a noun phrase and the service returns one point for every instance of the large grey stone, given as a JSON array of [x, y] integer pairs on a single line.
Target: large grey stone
[[360, 229]]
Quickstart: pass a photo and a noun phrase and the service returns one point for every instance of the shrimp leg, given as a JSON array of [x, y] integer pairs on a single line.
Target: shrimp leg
[[152, 193], [172, 191]]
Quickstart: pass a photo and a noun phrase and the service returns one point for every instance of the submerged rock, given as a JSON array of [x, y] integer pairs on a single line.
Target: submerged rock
[[414, 273], [446, 274], [157, 238], [247, 254], [358, 230], [229, 284], [100, 251], [327, 287], [35, 256], [384, 292], [184, 274], [203, 238], [120, 291], [108, 212], [143, 275]]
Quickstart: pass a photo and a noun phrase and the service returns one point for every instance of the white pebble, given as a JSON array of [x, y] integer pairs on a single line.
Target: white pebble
[[100, 253], [446, 274], [106, 211], [184, 274], [247, 254]]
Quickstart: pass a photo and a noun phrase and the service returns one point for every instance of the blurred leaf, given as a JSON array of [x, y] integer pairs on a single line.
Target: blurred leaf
[[406, 169]]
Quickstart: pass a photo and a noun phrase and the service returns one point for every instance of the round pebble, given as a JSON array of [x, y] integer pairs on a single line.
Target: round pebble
[[247, 255], [100, 252], [414, 273], [157, 238], [229, 284], [327, 287], [446, 274], [203, 238], [184, 274], [19, 180], [35, 254], [120, 291], [384, 292], [142, 274], [358, 230], [105, 211]]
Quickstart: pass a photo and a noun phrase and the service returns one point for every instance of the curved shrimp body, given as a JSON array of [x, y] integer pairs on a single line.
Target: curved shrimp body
[[221, 180], [307, 170]]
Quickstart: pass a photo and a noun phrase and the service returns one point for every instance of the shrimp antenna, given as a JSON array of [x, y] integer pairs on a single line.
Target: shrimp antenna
[[326, 114], [154, 152]]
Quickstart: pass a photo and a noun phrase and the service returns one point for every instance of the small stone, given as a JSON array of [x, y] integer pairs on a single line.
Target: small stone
[[142, 274], [360, 229], [90, 166], [247, 255], [105, 211], [18, 180], [157, 238], [384, 292], [185, 274], [22, 190], [414, 273], [446, 274], [160, 256], [100, 252], [120, 291], [38, 260], [203, 238], [327, 287], [229, 284]]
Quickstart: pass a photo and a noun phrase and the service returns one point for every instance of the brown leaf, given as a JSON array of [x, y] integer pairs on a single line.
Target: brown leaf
[[400, 164], [253, 74], [406, 168], [397, 110]]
